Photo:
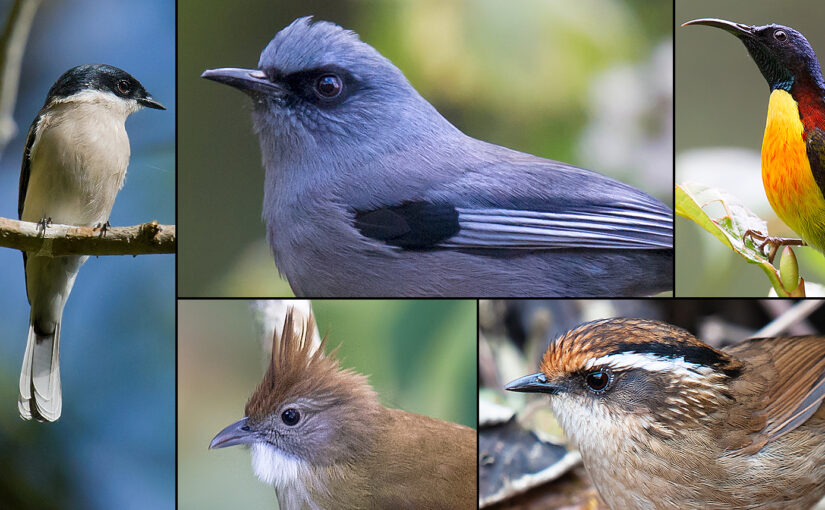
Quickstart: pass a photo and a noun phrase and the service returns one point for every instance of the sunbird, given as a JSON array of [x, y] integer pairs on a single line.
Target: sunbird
[[793, 148]]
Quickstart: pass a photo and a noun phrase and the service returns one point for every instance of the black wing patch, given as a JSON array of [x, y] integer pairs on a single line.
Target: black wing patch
[[415, 225], [815, 145], [25, 168]]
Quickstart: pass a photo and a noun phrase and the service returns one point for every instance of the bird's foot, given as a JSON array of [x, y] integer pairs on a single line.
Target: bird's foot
[[772, 243], [103, 227], [43, 224]]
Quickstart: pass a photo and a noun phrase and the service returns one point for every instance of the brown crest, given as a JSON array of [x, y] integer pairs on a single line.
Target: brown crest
[[300, 370]]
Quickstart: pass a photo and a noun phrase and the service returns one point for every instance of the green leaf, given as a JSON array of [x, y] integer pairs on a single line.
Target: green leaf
[[692, 199]]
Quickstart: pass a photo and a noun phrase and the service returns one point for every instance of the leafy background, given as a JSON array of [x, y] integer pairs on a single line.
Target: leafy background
[[419, 355], [587, 82], [721, 104]]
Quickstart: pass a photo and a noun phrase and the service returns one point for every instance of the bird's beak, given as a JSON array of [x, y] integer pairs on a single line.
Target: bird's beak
[[237, 433], [150, 103], [534, 383], [740, 30], [251, 81]]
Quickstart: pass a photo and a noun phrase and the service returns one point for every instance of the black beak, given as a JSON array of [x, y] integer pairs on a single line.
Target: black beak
[[740, 30], [237, 433], [251, 81], [150, 103], [534, 383]]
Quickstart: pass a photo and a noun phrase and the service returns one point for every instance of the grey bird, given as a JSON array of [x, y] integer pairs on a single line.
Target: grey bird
[[371, 192], [74, 164]]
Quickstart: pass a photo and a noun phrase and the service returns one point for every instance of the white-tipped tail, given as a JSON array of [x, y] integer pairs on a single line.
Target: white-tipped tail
[[40, 395]]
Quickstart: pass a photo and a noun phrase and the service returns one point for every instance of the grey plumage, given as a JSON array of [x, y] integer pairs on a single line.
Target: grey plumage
[[73, 166], [371, 192]]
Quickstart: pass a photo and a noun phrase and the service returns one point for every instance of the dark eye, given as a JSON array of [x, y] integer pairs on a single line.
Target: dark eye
[[290, 416], [328, 86], [123, 86], [598, 380], [780, 35]]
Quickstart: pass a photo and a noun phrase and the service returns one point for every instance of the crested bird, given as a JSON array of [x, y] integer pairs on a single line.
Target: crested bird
[[664, 421], [320, 437], [74, 163], [369, 191], [793, 146]]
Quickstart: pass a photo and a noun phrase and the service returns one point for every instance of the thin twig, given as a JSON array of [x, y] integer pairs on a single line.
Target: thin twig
[[797, 313], [60, 240], [12, 47]]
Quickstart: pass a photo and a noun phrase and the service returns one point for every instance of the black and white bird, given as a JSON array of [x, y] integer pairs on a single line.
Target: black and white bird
[[74, 164]]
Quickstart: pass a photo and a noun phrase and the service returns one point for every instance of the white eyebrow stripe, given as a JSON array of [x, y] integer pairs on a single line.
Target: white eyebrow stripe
[[651, 363]]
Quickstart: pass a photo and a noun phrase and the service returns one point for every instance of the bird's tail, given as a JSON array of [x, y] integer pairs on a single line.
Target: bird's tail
[[40, 395]]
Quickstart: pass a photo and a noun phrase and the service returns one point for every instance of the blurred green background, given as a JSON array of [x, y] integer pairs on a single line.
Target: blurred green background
[[113, 446], [420, 356], [721, 105], [587, 82]]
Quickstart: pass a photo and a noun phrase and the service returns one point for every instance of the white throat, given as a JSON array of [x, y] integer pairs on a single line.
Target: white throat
[[273, 467]]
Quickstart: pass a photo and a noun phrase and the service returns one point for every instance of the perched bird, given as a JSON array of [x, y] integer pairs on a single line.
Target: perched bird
[[662, 420], [793, 147], [74, 164], [371, 192], [319, 435]]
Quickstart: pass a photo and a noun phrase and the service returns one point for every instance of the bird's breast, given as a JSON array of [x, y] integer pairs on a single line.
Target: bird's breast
[[78, 164], [786, 171]]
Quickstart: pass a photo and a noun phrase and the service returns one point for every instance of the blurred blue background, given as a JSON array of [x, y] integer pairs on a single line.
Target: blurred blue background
[[587, 82], [722, 104], [114, 445], [419, 355]]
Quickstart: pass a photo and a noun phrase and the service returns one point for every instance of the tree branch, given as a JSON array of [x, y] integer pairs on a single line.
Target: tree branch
[[59, 240], [12, 47]]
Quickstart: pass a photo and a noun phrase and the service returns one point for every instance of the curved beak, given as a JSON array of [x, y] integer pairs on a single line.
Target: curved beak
[[534, 383], [237, 433], [738, 29], [251, 81], [149, 102]]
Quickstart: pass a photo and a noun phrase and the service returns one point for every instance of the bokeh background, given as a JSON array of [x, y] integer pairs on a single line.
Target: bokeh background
[[587, 82], [513, 336], [420, 356], [721, 105], [114, 445]]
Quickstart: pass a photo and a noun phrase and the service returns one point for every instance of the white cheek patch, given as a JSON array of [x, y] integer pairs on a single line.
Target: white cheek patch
[[651, 363], [273, 467]]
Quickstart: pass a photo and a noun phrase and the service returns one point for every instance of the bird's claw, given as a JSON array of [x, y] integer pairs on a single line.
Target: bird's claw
[[43, 224], [773, 243], [103, 227]]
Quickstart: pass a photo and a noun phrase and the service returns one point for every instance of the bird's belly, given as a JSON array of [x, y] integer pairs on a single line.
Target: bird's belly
[[786, 172], [76, 171]]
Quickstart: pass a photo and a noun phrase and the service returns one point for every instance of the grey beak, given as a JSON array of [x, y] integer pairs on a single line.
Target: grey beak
[[534, 383], [149, 102], [251, 81], [237, 433], [738, 29]]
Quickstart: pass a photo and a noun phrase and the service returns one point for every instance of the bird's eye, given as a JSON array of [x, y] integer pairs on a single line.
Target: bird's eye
[[599, 380], [328, 86], [291, 416], [780, 35], [123, 86]]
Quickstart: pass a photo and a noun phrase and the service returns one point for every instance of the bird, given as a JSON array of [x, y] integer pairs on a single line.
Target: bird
[[369, 191], [793, 146], [319, 436], [663, 420], [74, 163]]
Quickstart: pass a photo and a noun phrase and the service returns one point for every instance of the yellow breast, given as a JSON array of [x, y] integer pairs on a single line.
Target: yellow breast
[[786, 172]]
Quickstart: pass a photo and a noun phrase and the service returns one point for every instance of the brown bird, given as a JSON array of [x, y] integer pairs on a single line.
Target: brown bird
[[319, 435], [663, 420]]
